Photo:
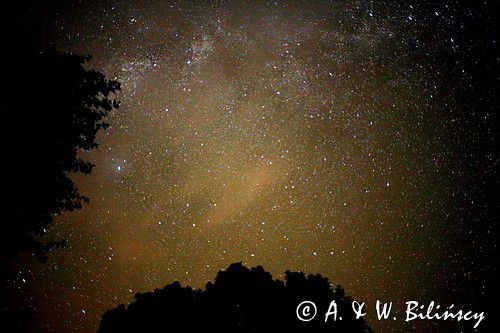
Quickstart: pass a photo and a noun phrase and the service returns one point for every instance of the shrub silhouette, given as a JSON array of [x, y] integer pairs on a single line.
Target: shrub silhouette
[[51, 107], [240, 300]]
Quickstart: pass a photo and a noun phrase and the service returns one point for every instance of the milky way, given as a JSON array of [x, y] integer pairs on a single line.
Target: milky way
[[323, 137]]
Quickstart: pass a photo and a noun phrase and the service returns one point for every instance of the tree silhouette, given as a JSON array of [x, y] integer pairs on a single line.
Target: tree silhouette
[[51, 107], [240, 300]]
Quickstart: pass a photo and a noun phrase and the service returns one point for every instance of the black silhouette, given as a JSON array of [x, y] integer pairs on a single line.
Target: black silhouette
[[51, 107], [240, 300]]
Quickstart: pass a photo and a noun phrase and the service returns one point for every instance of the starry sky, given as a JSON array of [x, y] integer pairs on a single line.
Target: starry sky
[[346, 138]]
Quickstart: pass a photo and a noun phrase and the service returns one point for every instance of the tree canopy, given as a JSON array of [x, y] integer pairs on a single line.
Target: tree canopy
[[51, 107], [240, 300]]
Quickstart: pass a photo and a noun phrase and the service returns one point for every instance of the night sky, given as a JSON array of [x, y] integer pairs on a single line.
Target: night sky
[[347, 138]]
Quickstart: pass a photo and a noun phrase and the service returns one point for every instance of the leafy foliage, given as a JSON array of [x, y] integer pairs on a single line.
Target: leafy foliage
[[240, 300], [51, 107]]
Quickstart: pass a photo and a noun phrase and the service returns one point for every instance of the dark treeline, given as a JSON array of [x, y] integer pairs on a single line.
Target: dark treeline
[[51, 108], [240, 300]]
